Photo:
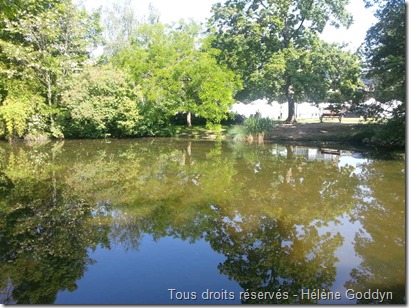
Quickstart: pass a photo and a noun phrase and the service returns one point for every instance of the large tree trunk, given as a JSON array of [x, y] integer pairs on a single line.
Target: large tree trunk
[[291, 113], [291, 106], [189, 119]]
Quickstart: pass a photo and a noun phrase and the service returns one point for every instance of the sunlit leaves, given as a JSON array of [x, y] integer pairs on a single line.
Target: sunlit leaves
[[19, 111], [101, 102], [175, 75], [46, 48], [385, 53]]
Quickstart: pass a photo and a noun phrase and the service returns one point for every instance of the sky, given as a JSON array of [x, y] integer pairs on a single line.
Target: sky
[[199, 10]]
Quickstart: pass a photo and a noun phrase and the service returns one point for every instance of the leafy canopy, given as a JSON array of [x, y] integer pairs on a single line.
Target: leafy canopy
[[103, 102], [385, 50], [176, 74], [45, 47], [275, 48]]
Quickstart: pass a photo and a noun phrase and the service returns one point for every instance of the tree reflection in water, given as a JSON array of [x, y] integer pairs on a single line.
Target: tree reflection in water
[[44, 241], [382, 249], [270, 235], [262, 207]]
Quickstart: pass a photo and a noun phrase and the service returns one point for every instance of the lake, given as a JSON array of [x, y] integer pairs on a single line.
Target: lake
[[171, 221]]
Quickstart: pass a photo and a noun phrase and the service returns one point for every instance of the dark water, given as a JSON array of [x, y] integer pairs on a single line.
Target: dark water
[[167, 221]]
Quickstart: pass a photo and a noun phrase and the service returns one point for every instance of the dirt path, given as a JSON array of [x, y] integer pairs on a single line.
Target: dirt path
[[315, 132]]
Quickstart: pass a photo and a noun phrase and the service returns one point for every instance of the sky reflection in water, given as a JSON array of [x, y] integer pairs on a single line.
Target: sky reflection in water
[[123, 221]]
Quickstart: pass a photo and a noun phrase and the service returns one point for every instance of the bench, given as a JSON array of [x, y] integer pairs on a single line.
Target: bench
[[331, 114]]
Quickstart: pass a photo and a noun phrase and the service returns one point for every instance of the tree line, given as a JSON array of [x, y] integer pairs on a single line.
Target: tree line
[[150, 72]]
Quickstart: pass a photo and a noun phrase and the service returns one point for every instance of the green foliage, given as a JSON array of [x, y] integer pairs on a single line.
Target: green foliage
[[385, 51], [390, 134], [14, 115], [102, 102], [18, 8], [207, 89], [274, 47], [54, 43], [175, 75], [18, 114], [48, 46], [253, 127], [320, 72], [257, 125]]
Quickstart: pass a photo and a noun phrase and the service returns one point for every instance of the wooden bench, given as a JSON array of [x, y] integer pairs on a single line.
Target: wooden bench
[[331, 114]]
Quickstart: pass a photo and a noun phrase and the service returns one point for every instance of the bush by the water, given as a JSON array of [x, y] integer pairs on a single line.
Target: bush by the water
[[254, 127], [390, 134], [258, 125]]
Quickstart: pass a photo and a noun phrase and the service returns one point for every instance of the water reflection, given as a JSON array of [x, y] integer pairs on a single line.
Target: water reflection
[[275, 213], [382, 249], [275, 256], [44, 237]]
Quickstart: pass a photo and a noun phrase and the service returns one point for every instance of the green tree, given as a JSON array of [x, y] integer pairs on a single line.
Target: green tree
[[146, 59], [102, 102], [18, 8], [176, 75], [205, 88], [274, 46], [385, 50], [51, 46], [22, 110], [19, 99]]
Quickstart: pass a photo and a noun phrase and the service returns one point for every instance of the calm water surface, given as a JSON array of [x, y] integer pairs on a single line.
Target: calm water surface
[[177, 221]]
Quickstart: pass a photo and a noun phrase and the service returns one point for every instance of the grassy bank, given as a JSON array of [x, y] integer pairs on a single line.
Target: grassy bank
[[329, 131], [281, 132]]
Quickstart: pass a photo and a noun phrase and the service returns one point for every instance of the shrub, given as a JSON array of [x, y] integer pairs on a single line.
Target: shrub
[[102, 103], [258, 125], [254, 127], [21, 112], [390, 134], [237, 133]]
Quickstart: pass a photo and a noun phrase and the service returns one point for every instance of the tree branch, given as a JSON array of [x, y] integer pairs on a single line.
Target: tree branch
[[302, 21]]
